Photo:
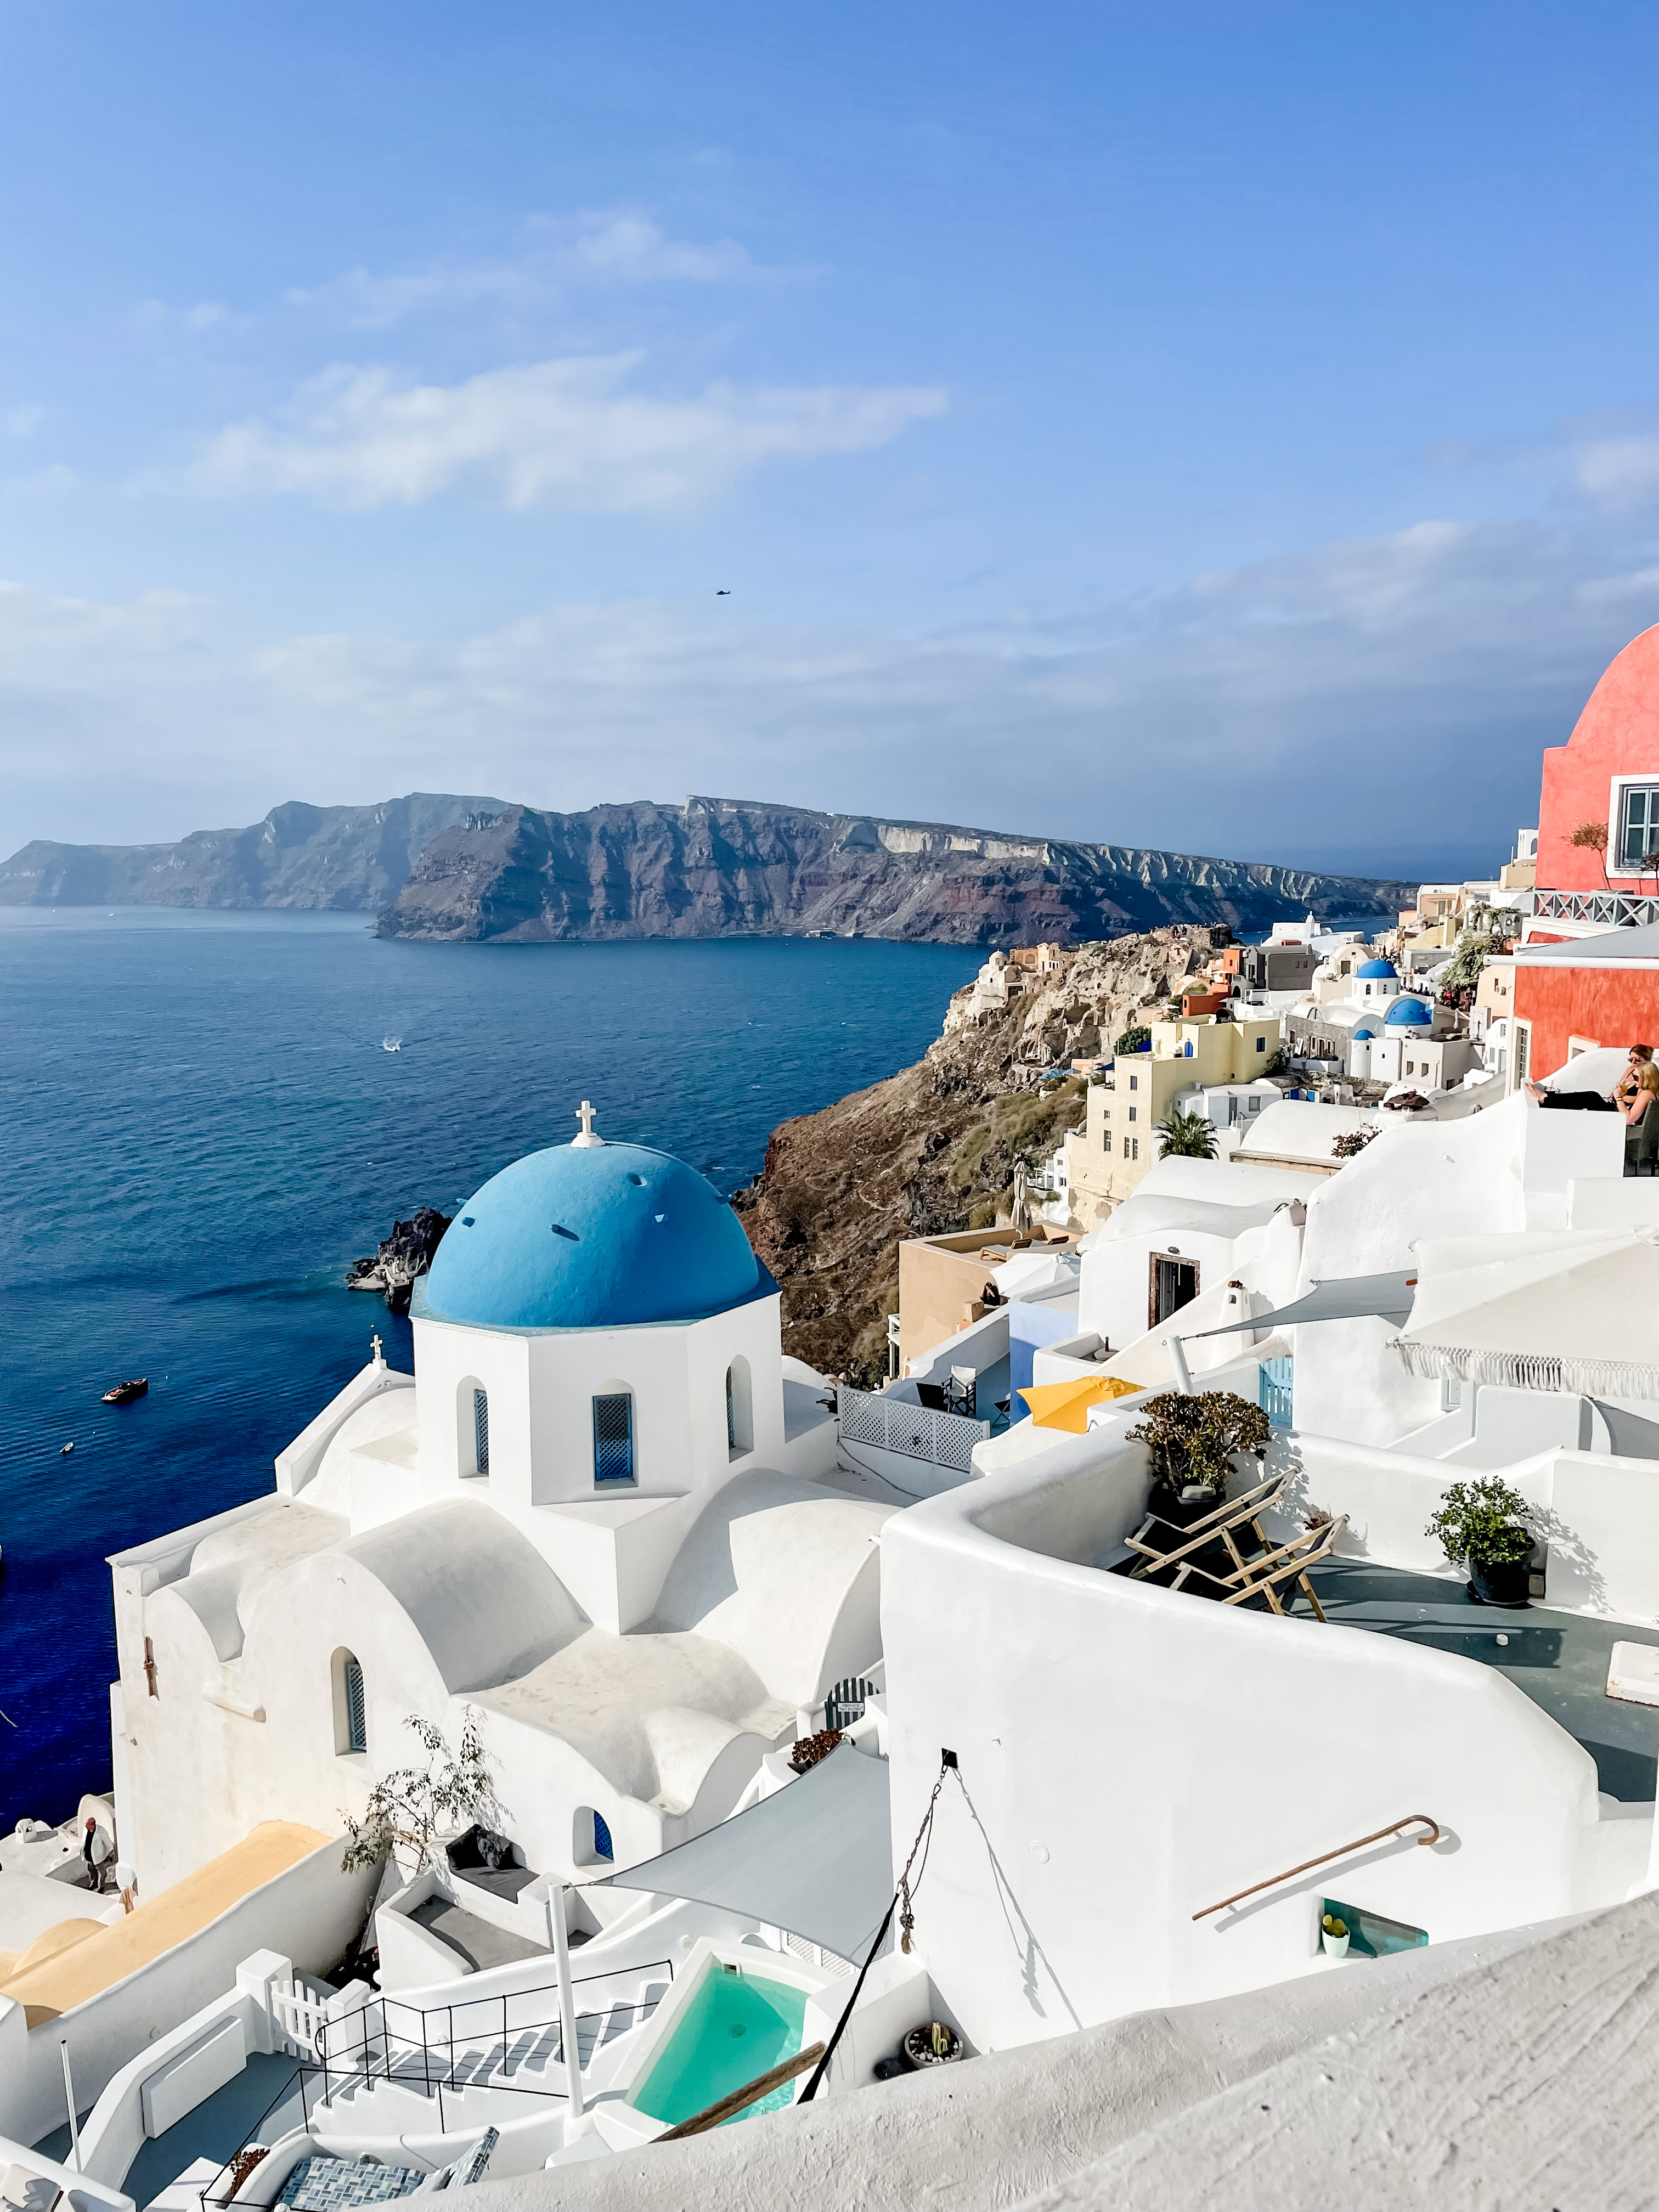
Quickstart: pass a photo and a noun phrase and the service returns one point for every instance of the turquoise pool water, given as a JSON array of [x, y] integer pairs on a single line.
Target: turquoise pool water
[[735, 2026]]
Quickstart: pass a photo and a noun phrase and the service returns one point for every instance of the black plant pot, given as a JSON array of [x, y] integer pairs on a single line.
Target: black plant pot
[[1178, 1512], [1499, 1582]]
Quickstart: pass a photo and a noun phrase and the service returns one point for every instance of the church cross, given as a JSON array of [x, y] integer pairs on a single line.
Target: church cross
[[585, 1115]]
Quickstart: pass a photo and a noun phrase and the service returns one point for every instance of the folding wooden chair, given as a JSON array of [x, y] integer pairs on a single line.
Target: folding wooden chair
[[1216, 1527], [1275, 1571]]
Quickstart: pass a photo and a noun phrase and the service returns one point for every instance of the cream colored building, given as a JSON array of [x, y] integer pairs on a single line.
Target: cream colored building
[[1118, 1143]]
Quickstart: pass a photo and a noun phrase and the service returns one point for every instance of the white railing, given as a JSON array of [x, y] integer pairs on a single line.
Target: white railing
[[896, 1425], [1617, 909]]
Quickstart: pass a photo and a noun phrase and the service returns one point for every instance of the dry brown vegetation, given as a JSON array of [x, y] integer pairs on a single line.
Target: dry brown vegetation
[[933, 1148]]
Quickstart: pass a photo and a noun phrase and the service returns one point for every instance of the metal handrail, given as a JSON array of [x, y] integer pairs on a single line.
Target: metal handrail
[[1394, 1827], [504, 1998]]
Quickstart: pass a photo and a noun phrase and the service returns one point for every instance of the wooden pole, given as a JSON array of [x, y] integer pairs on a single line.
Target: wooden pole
[[761, 2085]]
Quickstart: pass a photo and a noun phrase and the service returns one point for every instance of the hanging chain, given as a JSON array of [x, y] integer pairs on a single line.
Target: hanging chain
[[907, 1914]]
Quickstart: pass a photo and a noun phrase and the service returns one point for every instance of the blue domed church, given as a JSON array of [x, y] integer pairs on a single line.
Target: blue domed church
[[604, 1517]]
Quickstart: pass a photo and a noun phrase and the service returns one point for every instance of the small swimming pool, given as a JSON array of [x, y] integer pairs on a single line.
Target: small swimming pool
[[734, 2026]]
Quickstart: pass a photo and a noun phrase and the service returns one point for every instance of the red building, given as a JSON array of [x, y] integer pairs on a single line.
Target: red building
[[1580, 980], [1570, 997], [1607, 776]]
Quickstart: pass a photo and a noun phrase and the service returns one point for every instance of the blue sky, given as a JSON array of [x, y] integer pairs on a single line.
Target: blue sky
[[1230, 429]]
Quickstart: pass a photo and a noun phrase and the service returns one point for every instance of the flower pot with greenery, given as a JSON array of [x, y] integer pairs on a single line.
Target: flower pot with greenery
[[1485, 1524], [1333, 1937], [1192, 1443]]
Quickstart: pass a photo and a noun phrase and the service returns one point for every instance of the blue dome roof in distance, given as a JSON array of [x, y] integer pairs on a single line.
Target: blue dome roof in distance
[[1368, 970], [1363, 1037], [592, 1236], [1406, 1013]]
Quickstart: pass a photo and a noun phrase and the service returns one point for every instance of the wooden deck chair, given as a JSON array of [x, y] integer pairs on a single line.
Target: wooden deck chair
[[1276, 1573], [1215, 1527]]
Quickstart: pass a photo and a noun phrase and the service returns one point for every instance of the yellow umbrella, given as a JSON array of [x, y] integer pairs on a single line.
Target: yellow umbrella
[[1066, 1405]]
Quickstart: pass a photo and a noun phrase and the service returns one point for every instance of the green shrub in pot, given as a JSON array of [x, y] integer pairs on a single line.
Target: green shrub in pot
[[1483, 1524]]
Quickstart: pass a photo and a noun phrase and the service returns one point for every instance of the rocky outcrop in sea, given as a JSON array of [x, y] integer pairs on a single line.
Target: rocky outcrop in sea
[[402, 1259]]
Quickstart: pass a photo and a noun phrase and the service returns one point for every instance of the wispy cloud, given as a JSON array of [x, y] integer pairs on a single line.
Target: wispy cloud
[[556, 255], [1383, 693], [22, 421], [566, 434]]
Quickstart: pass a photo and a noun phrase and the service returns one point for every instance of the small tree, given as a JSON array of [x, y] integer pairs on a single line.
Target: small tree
[[1193, 1439], [1352, 1141], [1593, 835], [1133, 1040], [1185, 1136], [409, 1807]]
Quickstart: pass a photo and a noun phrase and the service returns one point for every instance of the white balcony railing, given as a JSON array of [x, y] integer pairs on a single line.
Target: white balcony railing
[[1615, 910], [897, 1424]]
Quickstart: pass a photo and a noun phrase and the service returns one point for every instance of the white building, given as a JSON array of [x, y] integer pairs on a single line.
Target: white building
[[601, 1513]]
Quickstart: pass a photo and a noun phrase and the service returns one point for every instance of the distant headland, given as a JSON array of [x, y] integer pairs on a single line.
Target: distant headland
[[475, 869]]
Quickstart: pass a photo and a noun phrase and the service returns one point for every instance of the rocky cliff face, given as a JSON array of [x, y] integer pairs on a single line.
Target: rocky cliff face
[[478, 871], [933, 1147], [718, 867], [352, 858]]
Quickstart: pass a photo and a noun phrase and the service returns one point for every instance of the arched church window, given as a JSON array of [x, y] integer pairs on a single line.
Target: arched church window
[[350, 1706], [590, 1844], [739, 1410], [613, 1437], [471, 1428]]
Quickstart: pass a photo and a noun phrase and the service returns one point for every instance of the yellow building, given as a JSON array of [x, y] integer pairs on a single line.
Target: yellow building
[[1108, 1156]]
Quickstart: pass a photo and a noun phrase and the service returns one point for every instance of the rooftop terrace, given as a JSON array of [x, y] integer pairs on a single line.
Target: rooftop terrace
[[1558, 1659]]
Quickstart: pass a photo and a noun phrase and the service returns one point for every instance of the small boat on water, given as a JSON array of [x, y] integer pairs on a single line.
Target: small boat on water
[[67, 1448], [391, 1044], [124, 1393]]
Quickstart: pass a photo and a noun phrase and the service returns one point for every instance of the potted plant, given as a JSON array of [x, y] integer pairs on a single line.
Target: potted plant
[[1333, 1935], [1192, 1442], [1483, 1524]]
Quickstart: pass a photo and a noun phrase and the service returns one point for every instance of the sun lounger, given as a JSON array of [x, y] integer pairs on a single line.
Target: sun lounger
[[1277, 1574], [1216, 1527]]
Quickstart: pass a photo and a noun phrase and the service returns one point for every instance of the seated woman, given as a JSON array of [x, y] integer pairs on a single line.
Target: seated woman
[[1596, 1102], [1641, 1056], [1645, 1100]]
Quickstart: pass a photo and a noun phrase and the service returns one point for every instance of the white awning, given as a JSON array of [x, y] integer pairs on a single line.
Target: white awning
[[1576, 1310], [816, 1858], [1345, 1297]]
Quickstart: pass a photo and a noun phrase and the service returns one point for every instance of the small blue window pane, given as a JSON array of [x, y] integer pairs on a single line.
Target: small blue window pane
[[480, 1430], [613, 1439], [602, 1845]]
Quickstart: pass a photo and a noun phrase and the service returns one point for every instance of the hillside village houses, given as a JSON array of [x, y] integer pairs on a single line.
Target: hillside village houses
[[764, 1668]]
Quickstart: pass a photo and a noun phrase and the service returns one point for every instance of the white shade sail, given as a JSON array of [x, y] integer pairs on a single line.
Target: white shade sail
[[1345, 1297], [1574, 1311], [816, 1858]]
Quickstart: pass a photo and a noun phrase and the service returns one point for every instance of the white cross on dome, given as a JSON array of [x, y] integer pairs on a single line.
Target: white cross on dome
[[585, 1115]]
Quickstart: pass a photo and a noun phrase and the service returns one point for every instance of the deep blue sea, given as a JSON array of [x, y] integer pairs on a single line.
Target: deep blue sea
[[202, 1128]]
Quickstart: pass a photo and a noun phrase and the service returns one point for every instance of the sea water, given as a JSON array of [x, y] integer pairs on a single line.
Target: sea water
[[201, 1127]]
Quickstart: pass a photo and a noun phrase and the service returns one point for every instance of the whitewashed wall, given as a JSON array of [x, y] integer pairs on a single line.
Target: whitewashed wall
[[1128, 1755]]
